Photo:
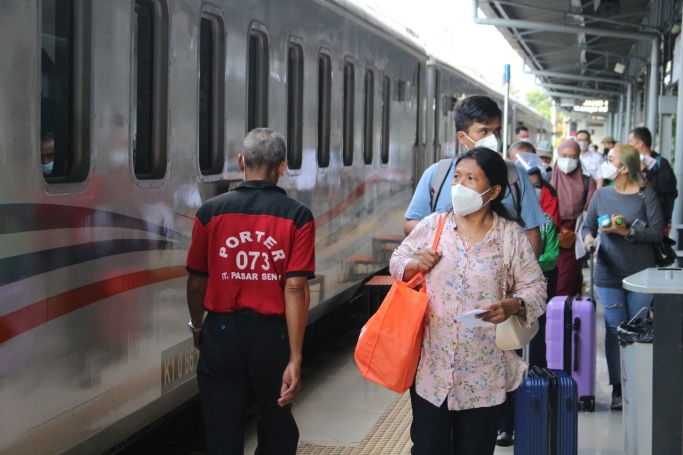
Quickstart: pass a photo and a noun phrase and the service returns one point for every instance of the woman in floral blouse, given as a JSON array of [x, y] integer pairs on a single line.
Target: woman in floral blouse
[[462, 376]]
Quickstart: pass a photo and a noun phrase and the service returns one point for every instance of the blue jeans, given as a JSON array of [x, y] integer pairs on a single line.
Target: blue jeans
[[619, 305]]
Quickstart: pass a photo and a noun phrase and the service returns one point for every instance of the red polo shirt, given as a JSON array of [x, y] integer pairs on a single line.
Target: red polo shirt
[[248, 242]]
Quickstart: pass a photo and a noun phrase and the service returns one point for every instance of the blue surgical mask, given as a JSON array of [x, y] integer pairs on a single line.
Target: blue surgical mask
[[538, 192], [47, 168]]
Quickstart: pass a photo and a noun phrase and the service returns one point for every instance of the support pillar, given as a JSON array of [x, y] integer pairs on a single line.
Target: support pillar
[[653, 89], [620, 121], [609, 126], [629, 101], [677, 217]]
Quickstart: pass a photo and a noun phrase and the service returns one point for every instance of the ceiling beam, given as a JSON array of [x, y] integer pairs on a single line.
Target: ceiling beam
[[560, 28], [574, 96], [522, 42], [577, 14], [578, 77], [579, 89]]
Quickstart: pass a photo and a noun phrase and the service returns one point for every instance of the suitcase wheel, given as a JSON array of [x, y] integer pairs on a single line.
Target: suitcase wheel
[[587, 404]]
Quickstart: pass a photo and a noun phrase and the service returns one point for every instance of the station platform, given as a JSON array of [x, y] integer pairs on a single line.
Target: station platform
[[340, 413]]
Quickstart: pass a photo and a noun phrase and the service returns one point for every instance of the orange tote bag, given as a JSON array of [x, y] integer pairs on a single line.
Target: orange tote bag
[[388, 348]]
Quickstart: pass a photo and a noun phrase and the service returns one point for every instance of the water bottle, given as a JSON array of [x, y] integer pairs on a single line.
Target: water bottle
[[618, 221], [605, 221]]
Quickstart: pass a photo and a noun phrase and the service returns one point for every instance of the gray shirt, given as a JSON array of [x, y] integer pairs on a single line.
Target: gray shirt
[[618, 257]]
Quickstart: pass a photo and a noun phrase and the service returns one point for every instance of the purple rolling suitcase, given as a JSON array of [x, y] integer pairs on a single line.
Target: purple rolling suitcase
[[570, 343]]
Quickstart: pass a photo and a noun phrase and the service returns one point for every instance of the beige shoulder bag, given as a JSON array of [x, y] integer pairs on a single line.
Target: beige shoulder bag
[[512, 334]]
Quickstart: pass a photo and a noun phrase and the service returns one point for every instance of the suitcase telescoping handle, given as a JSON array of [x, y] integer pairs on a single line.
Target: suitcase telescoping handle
[[577, 341], [541, 372], [591, 266], [553, 410]]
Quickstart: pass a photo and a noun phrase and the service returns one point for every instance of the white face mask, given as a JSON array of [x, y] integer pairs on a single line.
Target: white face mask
[[466, 200], [490, 142], [583, 145], [538, 192], [47, 168], [609, 170], [567, 165]]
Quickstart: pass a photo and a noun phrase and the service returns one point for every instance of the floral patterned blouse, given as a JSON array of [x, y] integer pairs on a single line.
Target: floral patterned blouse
[[459, 364]]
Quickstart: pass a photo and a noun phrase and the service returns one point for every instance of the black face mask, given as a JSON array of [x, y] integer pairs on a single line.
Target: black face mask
[[605, 151]]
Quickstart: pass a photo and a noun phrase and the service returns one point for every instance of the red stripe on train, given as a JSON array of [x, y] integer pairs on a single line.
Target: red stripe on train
[[38, 313], [338, 209], [353, 196], [397, 175]]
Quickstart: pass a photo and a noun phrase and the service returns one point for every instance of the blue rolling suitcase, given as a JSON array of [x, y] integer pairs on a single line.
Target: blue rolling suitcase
[[546, 414]]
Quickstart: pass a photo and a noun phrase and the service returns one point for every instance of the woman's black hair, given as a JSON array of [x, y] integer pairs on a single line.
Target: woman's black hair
[[496, 172]]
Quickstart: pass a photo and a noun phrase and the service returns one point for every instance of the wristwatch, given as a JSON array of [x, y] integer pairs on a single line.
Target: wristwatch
[[193, 329], [631, 234], [522, 304]]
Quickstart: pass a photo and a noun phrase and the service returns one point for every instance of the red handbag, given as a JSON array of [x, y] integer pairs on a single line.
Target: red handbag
[[388, 348]]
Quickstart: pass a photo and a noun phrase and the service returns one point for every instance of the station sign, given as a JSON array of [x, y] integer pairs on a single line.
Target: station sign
[[567, 102], [593, 106]]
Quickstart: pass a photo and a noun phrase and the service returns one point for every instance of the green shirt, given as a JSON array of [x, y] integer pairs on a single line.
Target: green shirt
[[551, 244]]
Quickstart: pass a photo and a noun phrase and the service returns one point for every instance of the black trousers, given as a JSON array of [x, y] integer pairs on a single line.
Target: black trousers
[[437, 431], [241, 352]]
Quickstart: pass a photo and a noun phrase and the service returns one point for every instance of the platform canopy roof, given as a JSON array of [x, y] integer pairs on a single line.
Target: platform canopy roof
[[586, 49]]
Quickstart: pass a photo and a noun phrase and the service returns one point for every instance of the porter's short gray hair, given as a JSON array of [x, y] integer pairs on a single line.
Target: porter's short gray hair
[[264, 148]]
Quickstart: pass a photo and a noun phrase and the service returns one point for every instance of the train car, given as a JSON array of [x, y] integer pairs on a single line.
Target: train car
[[118, 119]]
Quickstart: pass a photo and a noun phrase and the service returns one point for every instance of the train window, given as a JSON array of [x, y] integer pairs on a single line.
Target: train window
[[386, 117], [257, 85], [368, 116], [324, 101], [295, 103], [403, 90], [211, 94], [349, 109], [150, 53], [64, 98]]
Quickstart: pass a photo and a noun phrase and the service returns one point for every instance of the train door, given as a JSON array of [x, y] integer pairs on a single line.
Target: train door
[[448, 140], [437, 106], [430, 120], [419, 158]]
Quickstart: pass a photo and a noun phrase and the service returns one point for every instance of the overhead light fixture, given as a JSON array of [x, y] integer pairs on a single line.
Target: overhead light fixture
[[619, 68]]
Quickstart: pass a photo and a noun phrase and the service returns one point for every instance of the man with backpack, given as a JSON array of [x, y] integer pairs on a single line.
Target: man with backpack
[[656, 169], [478, 124]]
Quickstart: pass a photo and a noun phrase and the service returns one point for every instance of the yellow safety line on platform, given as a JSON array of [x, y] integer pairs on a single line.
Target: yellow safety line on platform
[[389, 436]]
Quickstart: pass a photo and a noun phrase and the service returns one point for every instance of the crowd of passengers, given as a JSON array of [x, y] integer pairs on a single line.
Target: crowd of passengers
[[541, 207], [462, 396]]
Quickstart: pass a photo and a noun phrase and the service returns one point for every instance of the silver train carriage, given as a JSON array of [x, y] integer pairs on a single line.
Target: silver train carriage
[[142, 106]]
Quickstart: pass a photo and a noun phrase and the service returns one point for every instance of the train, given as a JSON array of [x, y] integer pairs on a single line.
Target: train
[[120, 118]]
